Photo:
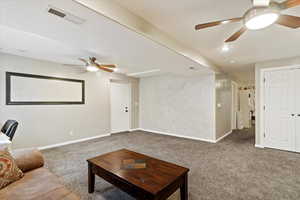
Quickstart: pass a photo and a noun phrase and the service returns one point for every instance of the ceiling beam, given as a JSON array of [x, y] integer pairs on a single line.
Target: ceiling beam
[[124, 17]]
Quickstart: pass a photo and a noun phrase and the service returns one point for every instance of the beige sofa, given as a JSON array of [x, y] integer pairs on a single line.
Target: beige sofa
[[38, 183]]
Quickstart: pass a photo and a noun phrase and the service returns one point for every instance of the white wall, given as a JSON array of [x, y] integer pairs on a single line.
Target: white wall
[[179, 105], [258, 91], [223, 105], [42, 125]]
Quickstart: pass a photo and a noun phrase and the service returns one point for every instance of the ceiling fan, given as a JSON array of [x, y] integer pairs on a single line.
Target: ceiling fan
[[92, 65], [263, 14]]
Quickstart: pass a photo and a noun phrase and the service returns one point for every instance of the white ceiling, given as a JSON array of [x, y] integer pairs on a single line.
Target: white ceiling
[[178, 19], [27, 29]]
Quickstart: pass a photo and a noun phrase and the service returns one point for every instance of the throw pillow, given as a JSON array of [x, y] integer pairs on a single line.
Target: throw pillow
[[9, 171]]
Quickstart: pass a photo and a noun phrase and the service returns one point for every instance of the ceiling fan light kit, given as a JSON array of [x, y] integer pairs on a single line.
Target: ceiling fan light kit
[[260, 17], [91, 68], [264, 13]]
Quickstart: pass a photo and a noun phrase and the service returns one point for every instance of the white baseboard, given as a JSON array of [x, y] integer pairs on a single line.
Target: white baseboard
[[259, 146], [117, 132], [179, 136], [224, 136], [134, 129], [130, 130], [71, 142]]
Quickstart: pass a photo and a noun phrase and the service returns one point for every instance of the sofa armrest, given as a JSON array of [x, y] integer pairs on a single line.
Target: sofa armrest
[[28, 159]]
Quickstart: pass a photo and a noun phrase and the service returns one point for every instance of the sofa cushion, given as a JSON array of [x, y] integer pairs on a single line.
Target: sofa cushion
[[36, 185], [9, 171], [28, 159]]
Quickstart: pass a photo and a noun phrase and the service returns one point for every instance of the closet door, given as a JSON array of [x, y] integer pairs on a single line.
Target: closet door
[[296, 75], [279, 111]]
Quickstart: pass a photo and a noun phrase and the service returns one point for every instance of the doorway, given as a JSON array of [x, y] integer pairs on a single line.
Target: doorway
[[120, 97]]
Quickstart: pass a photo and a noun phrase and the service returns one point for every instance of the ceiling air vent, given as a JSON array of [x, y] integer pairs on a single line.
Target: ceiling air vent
[[65, 15], [57, 13]]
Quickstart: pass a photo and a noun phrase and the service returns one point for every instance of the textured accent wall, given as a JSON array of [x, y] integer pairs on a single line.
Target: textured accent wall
[[179, 105]]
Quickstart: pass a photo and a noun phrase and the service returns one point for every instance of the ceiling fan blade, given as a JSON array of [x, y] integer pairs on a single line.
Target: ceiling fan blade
[[103, 68], [83, 60], [289, 21], [236, 35], [106, 69], [108, 66], [289, 4], [258, 3], [210, 24]]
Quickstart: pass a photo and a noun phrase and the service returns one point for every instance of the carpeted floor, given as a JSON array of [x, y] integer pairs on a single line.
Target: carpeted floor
[[230, 170]]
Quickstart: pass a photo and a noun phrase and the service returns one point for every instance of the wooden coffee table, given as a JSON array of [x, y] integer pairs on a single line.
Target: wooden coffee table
[[140, 176]]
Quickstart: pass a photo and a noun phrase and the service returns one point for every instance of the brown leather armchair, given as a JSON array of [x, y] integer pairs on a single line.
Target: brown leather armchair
[[38, 182]]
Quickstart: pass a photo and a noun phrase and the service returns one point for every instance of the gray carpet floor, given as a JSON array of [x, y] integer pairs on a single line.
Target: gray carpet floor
[[230, 170]]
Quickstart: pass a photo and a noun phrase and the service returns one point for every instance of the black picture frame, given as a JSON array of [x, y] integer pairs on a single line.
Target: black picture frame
[[8, 90]]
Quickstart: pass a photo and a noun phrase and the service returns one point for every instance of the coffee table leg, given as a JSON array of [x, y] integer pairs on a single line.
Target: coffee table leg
[[184, 188], [91, 177]]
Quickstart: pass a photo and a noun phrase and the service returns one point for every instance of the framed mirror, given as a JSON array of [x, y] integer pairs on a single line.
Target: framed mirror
[[30, 89]]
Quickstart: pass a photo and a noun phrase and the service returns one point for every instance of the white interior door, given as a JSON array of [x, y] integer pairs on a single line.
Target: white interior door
[[120, 107], [279, 119], [296, 74]]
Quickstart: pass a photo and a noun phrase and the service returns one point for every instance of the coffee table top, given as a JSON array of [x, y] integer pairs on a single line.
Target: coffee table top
[[145, 172]]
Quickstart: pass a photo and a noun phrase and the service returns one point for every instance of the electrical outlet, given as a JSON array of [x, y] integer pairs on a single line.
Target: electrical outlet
[[71, 133]]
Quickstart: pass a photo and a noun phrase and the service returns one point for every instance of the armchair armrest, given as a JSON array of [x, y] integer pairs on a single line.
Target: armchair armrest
[[28, 159]]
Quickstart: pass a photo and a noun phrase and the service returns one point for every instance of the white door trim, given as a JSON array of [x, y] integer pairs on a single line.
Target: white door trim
[[262, 98], [130, 105], [233, 106]]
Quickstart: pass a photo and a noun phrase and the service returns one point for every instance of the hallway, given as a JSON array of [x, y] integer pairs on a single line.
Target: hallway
[[245, 136]]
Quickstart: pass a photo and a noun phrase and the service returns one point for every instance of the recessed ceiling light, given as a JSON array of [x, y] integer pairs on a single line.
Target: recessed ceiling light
[[225, 48], [232, 61]]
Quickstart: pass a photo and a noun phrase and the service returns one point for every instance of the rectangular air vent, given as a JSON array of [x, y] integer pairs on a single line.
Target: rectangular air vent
[[65, 15], [57, 13]]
